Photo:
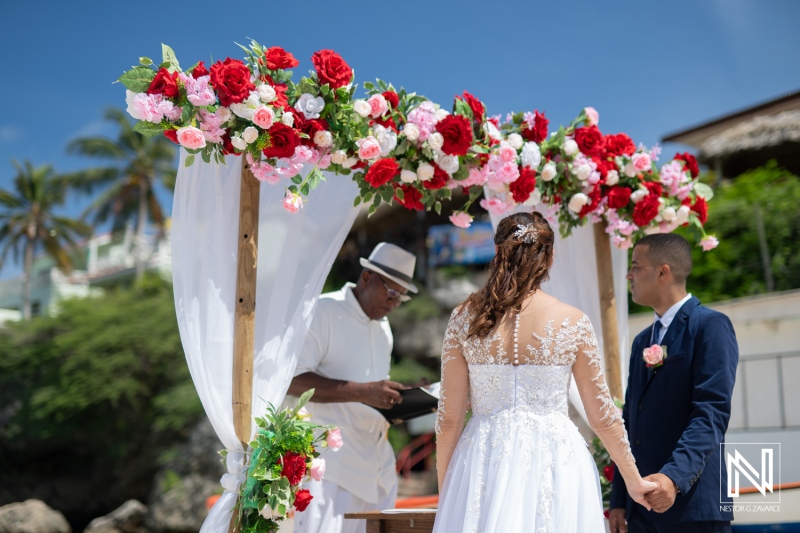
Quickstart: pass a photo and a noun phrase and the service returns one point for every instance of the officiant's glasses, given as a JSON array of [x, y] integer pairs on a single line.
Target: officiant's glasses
[[393, 294]]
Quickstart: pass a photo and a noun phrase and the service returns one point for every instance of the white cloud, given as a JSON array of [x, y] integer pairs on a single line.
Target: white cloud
[[10, 134]]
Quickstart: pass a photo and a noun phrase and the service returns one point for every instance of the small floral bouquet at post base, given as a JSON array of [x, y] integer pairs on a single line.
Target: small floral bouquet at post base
[[284, 455], [605, 468]]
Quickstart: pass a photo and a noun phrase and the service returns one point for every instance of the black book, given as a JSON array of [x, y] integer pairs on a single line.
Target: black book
[[417, 402]]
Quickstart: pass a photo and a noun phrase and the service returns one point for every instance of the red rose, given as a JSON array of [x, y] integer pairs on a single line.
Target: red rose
[[524, 185], [392, 98], [302, 499], [382, 171], [439, 179], [594, 200], [619, 144], [387, 123], [282, 141], [618, 197], [606, 513], [227, 145], [310, 127], [539, 131], [656, 189], [646, 210], [691, 163], [294, 467], [700, 206], [411, 197], [164, 83], [457, 133], [608, 472], [603, 166], [278, 58], [495, 121], [590, 140], [231, 80], [331, 68], [172, 135], [478, 109], [199, 70]]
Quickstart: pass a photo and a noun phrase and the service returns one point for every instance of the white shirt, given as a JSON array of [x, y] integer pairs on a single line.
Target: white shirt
[[343, 343], [668, 317]]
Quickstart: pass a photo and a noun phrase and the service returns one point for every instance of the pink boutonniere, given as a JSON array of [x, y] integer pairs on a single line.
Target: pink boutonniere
[[654, 356]]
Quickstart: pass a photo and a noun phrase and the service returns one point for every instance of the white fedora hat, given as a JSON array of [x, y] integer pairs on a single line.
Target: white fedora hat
[[393, 262]]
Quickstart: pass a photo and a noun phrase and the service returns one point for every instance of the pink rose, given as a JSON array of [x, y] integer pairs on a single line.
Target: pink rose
[[654, 356], [507, 153], [317, 469], [642, 162], [592, 116], [368, 148], [709, 242], [334, 438], [495, 206], [264, 117], [461, 219], [191, 138], [378, 106], [293, 202], [508, 172]]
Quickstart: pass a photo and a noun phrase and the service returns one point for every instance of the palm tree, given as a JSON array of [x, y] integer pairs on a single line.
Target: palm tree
[[137, 164], [27, 220]]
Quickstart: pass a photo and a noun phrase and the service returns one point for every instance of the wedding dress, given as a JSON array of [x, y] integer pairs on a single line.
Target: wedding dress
[[520, 464]]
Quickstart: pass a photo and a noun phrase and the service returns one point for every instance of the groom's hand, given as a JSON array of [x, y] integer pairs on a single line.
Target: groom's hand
[[663, 497], [616, 521]]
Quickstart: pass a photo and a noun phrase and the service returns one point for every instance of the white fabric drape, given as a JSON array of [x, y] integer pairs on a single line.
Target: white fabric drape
[[295, 253], [573, 280]]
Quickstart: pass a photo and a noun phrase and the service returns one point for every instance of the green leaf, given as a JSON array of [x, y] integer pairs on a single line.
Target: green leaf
[[303, 400], [148, 129], [400, 194], [145, 61], [357, 201], [704, 190], [169, 57], [206, 156], [189, 161], [438, 207], [297, 180], [386, 194], [304, 190], [137, 79]]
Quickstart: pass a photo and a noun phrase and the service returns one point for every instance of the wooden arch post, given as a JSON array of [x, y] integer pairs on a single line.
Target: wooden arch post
[[608, 309], [245, 310]]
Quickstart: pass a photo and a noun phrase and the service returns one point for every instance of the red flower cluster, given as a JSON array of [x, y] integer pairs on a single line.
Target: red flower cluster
[[331, 68], [439, 179], [382, 171], [477, 107], [294, 467], [590, 140], [690, 163], [199, 70], [457, 133], [524, 185], [411, 197], [619, 144], [231, 80], [392, 98], [700, 206], [647, 209], [538, 133], [282, 141], [164, 83], [608, 472], [302, 499], [618, 197], [309, 127], [278, 58]]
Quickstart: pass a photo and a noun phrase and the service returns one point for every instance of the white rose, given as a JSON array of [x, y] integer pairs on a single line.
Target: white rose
[[630, 170], [549, 171], [250, 134], [637, 195], [266, 93], [534, 198], [650, 230], [338, 157], [440, 114], [583, 171], [669, 214], [287, 118], [224, 114], [570, 147], [531, 155], [682, 217], [436, 140], [387, 141], [612, 178], [515, 140], [448, 163], [577, 202], [408, 176], [362, 107], [310, 105], [492, 131], [425, 172], [238, 143], [349, 162], [411, 131], [129, 96], [323, 139], [247, 108]]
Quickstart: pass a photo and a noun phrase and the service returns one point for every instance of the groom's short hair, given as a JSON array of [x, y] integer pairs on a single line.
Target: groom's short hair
[[669, 249]]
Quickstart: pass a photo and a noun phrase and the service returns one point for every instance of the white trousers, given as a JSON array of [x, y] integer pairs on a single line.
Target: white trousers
[[325, 513]]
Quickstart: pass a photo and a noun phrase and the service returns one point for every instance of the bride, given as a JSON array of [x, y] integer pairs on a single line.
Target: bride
[[520, 464]]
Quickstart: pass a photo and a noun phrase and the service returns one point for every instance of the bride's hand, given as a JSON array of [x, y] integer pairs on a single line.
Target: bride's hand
[[638, 490]]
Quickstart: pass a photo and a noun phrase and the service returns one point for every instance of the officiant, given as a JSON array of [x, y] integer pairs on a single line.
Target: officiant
[[346, 359]]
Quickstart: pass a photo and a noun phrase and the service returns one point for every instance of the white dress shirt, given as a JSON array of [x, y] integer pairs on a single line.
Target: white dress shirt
[[669, 316], [343, 343]]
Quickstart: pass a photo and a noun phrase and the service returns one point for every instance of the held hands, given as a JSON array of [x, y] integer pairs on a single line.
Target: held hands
[[662, 498], [639, 491], [382, 394]]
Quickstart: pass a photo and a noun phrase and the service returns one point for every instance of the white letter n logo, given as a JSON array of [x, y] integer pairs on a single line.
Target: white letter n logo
[[738, 464]]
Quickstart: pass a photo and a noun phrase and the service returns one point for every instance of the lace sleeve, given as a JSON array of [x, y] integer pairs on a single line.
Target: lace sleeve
[[604, 418], [453, 393]]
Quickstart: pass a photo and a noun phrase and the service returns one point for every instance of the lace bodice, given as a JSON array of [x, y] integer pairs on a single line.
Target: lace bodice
[[525, 363]]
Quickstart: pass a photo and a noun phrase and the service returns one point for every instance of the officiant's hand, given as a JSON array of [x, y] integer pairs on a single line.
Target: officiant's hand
[[663, 497], [616, 521], [382, 394]]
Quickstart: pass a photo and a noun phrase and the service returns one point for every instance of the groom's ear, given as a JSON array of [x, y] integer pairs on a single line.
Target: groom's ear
[[664, 272]]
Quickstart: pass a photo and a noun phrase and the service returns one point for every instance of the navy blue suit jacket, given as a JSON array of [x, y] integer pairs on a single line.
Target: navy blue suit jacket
[[677, 415]]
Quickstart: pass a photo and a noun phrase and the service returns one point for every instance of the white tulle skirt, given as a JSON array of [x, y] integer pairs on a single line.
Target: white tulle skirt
[[516, 471]]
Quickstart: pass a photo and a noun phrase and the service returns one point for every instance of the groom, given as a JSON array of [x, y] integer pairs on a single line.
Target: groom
[[676, 407]]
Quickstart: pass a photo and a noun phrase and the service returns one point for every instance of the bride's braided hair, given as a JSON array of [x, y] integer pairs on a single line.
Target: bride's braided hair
[[522, 263]]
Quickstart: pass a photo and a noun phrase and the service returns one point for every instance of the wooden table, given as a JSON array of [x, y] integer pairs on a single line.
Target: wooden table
[[406, 522]]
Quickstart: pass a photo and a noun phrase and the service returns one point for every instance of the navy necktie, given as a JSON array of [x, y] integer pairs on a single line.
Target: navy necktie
[[656, 331]]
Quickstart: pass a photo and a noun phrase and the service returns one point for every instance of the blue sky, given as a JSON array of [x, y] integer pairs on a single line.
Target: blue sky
[[649, 68]]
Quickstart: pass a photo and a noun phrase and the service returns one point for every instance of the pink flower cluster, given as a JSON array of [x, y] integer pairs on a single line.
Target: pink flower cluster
[[423, 117], [151, 107]]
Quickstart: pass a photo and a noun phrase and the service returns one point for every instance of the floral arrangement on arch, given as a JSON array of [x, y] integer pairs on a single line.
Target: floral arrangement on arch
[[401, 147], [284, 455]]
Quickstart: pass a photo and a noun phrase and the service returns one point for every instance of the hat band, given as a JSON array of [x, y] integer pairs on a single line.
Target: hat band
[[393, 272]]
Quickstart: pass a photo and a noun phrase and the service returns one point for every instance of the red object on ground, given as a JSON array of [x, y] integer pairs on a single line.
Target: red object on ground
[[211, 500], [417, 501]]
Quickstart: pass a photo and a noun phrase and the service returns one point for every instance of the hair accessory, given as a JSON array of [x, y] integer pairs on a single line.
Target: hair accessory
[[527, 233]]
